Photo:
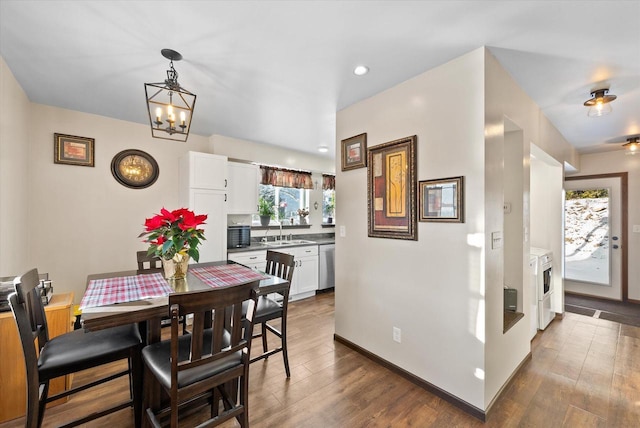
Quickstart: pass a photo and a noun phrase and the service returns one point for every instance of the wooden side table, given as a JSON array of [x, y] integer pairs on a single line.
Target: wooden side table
[[12, 370]]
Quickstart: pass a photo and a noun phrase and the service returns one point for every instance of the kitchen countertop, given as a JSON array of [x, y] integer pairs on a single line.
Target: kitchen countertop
[[317, 239]]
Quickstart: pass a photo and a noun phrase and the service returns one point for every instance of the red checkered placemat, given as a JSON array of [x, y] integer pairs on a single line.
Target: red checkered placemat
[[108, 291], [224, 275]]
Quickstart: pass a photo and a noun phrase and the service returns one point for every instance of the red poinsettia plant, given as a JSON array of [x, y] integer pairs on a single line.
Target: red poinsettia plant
[[174, 234]]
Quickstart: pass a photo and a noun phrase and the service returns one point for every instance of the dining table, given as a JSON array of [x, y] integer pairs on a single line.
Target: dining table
[[119, 298]]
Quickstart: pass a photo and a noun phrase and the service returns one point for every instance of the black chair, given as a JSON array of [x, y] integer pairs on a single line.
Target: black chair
[[281, 265], [147, 263], [69, 353], [208, 364]]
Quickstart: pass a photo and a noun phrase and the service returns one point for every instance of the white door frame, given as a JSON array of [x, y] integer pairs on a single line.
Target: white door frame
[[624, 224]]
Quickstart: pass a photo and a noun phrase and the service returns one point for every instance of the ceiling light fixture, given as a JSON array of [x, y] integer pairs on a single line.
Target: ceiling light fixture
[[633, 146], [167, 99], [599, 103], [361, 70], [323, 149]]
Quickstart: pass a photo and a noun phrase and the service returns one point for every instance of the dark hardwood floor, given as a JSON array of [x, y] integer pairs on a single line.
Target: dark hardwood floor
[[584, 372]]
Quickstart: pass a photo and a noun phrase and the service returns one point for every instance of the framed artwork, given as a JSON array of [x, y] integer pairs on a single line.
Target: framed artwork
[[392, 190], [441, 200], [134, 169], [354, 152], [72, 150]]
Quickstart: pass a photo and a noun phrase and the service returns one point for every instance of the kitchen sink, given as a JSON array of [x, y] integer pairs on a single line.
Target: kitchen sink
[[284, 243]]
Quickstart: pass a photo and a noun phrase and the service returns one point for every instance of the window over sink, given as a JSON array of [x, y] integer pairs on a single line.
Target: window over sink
[[287, 202]]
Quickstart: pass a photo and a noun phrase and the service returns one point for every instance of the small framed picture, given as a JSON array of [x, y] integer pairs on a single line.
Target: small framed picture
[[442, 200], [72, 150], [354, 152]]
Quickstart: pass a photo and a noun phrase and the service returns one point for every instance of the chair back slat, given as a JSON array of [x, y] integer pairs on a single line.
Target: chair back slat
[[226, 302], [148, 263], [280, 265]]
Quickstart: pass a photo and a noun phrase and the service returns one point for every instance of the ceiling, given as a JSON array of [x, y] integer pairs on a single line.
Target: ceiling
[[276, 72]]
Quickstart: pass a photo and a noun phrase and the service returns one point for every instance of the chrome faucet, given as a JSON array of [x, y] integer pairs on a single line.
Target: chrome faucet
[[281, 230]]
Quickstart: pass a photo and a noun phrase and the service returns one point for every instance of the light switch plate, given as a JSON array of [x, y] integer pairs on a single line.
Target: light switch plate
[[636, 228], [343, 231]]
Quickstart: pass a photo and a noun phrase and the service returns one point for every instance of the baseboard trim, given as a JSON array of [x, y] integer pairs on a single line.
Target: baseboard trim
[[573, 293], [509, 381], [459, 403]]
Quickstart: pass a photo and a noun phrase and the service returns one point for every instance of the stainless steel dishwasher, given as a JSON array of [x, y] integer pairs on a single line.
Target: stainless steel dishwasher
[[327, 266]]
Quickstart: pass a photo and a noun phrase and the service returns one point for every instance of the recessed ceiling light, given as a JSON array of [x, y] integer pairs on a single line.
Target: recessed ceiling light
[[323, 149], [361, 70]]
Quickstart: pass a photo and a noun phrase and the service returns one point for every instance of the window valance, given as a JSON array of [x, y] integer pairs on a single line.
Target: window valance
[[286, 177], [328, 182]]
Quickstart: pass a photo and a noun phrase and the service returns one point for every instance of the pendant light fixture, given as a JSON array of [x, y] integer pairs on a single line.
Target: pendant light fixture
[[599, 103], [632, 146], [170, 106]]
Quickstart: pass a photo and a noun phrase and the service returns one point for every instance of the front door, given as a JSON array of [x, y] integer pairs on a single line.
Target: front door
[[595, 239]]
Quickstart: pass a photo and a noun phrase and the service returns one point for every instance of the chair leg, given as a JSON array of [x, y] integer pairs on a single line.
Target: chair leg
[[243, 419], [285, 354], [42, 402], [264, 336], [135, 379]]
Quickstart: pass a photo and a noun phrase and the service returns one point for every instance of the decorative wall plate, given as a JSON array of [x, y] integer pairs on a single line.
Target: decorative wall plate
[[134, 169]]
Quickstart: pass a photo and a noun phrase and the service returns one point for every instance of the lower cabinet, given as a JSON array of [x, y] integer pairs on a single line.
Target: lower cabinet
[[305, 274], [12, 370]]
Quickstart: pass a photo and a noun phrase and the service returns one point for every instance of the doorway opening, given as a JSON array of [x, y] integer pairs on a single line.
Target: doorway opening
[[596, 236]]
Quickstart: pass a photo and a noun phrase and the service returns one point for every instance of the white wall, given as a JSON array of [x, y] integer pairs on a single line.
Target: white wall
[[507, 103], [14, 178], [445, 290], [285, 158], [617, 161], [432, 289], [547, 216], [82, 220]]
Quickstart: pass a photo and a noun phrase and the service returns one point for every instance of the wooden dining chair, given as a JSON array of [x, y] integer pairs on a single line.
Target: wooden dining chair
[[147, 263], [210, 362], [69, 353], [270, 308]]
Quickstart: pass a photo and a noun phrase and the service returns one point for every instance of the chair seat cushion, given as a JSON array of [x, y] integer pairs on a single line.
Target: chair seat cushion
[[157, 359], [80, 350], [267, 309]]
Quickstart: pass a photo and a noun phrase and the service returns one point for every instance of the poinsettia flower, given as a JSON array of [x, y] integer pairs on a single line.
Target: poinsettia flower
[[168, 215], [153, 223], [174, 232]]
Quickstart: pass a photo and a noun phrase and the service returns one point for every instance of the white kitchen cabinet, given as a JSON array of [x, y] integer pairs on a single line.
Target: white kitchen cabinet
[[203, 190], [305, 274], [253, 259], [243, 188], [203, 171]]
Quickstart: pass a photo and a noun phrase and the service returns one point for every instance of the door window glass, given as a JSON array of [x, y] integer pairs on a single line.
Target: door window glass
[[586, 236]]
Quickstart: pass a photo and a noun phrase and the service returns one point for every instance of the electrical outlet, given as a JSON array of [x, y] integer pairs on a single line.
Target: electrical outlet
[[397, 335]]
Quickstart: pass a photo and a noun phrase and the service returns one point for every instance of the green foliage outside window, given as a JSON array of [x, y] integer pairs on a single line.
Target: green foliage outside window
[[587, 194]]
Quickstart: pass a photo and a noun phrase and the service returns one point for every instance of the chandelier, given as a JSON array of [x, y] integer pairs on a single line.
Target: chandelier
[[170, 106]]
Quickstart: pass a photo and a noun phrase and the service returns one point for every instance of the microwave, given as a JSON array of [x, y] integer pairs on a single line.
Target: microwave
[[238, 236]]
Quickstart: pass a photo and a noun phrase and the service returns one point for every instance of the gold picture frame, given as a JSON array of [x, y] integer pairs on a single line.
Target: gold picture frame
[[73, 150], [354, 152], [392, 190], [441, 200]]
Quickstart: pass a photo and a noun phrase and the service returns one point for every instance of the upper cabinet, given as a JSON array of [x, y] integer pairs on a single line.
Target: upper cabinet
[[203, 171], [243, 188]]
